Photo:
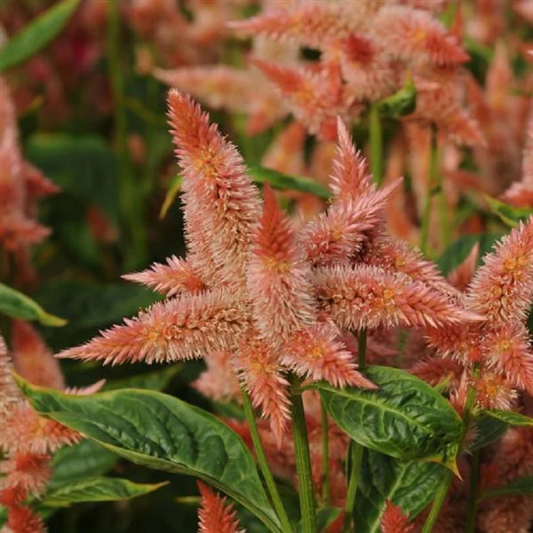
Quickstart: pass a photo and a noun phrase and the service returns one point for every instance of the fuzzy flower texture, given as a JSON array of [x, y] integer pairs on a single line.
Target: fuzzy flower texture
[[255, 297]]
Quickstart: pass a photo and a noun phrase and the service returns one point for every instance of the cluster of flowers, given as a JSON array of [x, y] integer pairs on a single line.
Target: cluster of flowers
[[27, 441], [257, 298]]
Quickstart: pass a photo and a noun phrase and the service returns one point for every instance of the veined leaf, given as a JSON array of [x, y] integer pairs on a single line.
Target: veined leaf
[[73, 464], [521, 485], [283, 182], [17, 305], [37, 34], [488, 430], [509, 417], [162, 432], [409, 485], [98, 489], [404, 418]]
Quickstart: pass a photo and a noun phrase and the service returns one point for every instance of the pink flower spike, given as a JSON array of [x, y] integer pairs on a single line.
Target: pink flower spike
[[394, 520], [508, 351], [369, 297], [176, 277], [28, 471], [175, 330], [32, 359], [22, 519], [279, 280], [221, 204], [215, 514], [502, 289], [351, 175], [261, 375], [318, 354]]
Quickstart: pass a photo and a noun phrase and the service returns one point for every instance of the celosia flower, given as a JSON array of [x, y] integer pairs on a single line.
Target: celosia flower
[[29, 472], [32, 358], [176, 277], [394, 520], [262, 298], [215, 515], [23, 520]]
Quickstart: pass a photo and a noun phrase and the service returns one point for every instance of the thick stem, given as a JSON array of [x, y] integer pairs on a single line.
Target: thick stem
[[356, 450], [472, 496], [326, 482], [376, 144], [263, 464], [356, 456], [303, 460], [448, 475], [130, 206]]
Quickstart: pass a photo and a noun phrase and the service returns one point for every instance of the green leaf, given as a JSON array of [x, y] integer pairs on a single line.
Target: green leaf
[[509, 214], [521, 485], [509, 417], [401, 103], [409, 485], [488, 430], [325, 516], [36, 35], [84, 460], [283, 182], [84, 166], [17, 305], [457, 252], [404, 417], [162, 432], [156, 380], [98, 489]]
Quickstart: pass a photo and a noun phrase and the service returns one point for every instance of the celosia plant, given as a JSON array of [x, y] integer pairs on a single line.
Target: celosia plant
[[354, 358]]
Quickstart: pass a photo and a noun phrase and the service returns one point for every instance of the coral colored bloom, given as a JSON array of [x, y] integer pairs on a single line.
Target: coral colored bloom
[[176, 277], [215, 514], [394, 520]]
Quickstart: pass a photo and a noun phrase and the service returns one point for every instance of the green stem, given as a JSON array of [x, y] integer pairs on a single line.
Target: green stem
[[448, 475], [376, 144], [472, 496], [438, 502], [356, 456], [130, 206], [433, 187], [263, 464], [303, 460], [326, 482], [356, 450]]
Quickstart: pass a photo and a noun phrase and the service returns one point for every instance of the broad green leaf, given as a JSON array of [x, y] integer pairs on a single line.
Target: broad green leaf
[[404, 417], [509, 417], [156, 380], [37, 34], [521, 485], [84, 166], [98, 489], [17, 305], [283, 182], [401, 103], [84, 460], [162, 432], [409, 485], [509, 215], [488, 430]]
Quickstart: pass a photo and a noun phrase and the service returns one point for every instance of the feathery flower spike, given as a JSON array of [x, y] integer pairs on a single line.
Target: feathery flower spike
[[215, 514]]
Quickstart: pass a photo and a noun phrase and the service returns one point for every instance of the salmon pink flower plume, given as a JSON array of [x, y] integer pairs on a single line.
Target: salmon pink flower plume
[[215, 514], [394, 520], [253, 296]]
